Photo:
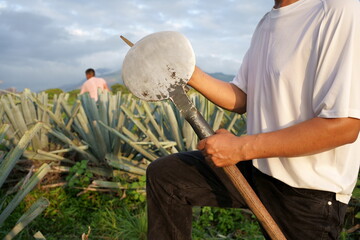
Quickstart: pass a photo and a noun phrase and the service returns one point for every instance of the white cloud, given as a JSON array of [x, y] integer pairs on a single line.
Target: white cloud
[[3, 5], [50, 42]]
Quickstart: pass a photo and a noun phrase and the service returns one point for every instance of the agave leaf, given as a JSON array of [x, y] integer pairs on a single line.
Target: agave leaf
[[82, 126], [65, 150], [153, 121], [10, 117], [29, 120], [21, 125], [190, 136], [54, 156], [19, 185], [141, 150], [57, 104], [107, 184], [34, 211], [89, 106], [103, 115], [39, 236], [30, 105], [101, 171], [124, 165], [174, 126], [232, 122], [58, 121], [134, 137], [145, 130], [101, 145], [66, 140], [218, 119], [131, 116], [74, 112], [87, 130], [3, 129], [35, 179], [11, 158], [37, 156]]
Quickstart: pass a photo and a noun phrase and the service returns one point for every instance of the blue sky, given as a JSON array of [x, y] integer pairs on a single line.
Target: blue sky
[[46, 44]]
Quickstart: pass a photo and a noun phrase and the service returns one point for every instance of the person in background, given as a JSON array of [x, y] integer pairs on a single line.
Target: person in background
[[92, 84]]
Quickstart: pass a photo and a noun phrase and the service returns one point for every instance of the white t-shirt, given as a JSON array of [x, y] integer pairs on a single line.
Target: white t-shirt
[[304, 62], [91, 86]]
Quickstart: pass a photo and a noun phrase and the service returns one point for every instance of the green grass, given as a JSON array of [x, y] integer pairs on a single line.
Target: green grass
[[69, 215], [112, 217]]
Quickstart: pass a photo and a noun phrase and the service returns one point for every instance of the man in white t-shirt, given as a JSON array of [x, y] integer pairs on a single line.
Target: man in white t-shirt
[[300, 86], [92, 84]]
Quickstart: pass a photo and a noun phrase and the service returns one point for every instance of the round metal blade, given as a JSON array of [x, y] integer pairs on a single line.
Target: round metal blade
[[157, 63]]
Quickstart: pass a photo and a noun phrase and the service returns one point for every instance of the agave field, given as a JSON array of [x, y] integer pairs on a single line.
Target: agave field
[[99, 147]]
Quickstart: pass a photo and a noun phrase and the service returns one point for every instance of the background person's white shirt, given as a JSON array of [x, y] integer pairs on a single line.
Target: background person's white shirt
[[91, 86], [303, 62]]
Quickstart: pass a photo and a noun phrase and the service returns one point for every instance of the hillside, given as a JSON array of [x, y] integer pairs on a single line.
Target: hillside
[[115, 77]]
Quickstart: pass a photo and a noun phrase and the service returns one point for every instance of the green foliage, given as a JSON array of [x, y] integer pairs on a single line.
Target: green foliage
[[117, 87], [73, 96], [69, 215], [53, 91], [124, 223], [79, 175], [133, 194], [220, 223]]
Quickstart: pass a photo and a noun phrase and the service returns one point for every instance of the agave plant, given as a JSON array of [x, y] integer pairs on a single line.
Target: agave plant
[[127, 133], [117, 134]]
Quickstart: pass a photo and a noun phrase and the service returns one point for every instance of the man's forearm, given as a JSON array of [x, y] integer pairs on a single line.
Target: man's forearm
[[310, 137], [221, 93]]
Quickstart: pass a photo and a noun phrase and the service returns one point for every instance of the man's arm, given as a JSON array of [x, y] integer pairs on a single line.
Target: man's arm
[[106, 87], [306, 138], [223, 94]]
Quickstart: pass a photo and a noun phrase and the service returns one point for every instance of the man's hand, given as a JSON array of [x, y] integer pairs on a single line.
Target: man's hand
[[223, 148]]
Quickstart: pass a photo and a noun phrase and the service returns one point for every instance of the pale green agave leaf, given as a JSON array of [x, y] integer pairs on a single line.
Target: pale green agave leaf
[[11, 158], [33, 212], [39, 236], [20, 195]]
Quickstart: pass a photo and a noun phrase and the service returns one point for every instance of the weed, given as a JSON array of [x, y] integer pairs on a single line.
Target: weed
[[79, 175]]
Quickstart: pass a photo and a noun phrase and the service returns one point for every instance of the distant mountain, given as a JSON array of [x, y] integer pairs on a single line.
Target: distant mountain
[[110, 77], [222, 76], [71, 86], [115, 77]]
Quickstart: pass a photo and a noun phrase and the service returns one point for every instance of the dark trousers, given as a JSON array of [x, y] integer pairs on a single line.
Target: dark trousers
[[176, 183]]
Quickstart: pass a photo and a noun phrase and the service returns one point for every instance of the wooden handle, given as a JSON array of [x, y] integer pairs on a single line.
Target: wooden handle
[[254, 202], [126, 41]]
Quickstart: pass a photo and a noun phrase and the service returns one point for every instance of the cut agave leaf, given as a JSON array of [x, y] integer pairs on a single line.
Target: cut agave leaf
[[34, 211]]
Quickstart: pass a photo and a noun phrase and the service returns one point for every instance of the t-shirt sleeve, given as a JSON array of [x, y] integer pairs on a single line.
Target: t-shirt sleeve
[[241, 78], [337, 81]]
